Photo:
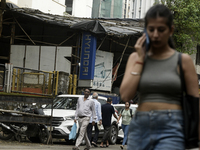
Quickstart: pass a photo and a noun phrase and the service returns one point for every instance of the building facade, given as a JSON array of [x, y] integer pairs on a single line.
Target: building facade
[[56, 7], [121, 9], [81, 8], [136, 8], [107, 8]]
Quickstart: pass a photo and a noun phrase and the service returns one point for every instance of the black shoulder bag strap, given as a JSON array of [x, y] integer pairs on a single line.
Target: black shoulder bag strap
[[181, 73]]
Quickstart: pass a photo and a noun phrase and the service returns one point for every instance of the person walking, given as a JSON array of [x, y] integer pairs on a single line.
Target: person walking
[[97, 121], [126, 115], [84, 110], [154, 73], [107, 111]]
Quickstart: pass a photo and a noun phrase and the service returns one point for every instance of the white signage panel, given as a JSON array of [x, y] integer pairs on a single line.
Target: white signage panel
[[103, 71]]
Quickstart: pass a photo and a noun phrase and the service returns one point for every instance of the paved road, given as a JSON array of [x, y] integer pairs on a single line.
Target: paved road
[[57, 145]]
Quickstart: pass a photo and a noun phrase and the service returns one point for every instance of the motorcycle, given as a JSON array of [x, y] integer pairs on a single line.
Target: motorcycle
[[36, 133]]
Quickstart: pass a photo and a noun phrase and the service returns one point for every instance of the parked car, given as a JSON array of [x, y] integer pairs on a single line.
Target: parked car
[[64, 107], [119, 108]]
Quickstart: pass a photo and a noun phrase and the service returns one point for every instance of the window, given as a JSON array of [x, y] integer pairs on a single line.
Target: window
[[69, 4], [198, 55]]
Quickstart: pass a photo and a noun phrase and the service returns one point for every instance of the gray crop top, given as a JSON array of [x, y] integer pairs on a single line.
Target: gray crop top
[[160, 81]]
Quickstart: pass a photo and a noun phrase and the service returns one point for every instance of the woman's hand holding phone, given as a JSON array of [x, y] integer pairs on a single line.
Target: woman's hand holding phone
[[142, 45], [139, 47]]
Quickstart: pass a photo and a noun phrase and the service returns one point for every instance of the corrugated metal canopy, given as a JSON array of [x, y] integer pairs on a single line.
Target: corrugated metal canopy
[[113, 26], [47, 29]]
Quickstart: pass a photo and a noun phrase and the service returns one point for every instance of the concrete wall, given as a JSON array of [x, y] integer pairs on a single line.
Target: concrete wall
[[82, 8], [12, 1], [47, 6]]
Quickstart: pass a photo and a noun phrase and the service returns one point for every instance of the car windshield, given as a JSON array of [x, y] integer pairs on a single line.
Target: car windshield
[[64, 103]]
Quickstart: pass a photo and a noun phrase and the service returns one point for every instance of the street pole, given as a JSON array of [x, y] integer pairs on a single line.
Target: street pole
[[3, 7]]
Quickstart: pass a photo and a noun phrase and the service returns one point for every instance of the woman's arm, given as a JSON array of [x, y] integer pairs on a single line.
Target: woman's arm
[[190, 75], [130, 81], [191, 79], [119, 118]]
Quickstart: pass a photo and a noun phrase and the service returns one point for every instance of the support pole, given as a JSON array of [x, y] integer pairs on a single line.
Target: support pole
[[74, 84], [3, 7], [13, 79], [120, 60], [70, 84]]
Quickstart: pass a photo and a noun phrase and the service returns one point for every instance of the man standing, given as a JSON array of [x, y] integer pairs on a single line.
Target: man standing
[[98, 120], [84, 110], [107, 112]]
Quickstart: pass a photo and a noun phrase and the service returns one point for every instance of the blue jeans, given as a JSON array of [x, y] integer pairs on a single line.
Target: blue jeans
[[125, 130], [156, 130]]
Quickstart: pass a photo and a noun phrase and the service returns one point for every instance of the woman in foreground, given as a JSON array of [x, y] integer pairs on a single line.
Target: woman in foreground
[[158, 122]]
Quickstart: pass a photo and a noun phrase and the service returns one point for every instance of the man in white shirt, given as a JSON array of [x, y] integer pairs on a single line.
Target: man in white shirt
[[98, 120], [84, 110]]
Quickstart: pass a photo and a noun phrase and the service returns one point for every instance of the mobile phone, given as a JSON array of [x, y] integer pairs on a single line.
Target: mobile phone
[[147, 42]]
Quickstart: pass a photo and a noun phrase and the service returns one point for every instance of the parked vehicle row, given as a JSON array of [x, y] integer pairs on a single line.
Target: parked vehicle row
[[64, 107]]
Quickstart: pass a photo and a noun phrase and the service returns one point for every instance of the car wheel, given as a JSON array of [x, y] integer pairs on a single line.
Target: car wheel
[[113, 135]]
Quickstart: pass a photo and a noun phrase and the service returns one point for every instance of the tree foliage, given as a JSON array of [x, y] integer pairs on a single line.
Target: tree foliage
[[187, 23]]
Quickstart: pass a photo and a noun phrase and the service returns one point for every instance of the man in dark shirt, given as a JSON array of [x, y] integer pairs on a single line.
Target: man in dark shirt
[[107, 112]]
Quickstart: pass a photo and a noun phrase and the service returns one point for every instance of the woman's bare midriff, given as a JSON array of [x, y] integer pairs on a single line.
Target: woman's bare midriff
[[148, 106]]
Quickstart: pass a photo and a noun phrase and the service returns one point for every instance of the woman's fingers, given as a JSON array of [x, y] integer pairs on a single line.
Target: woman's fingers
[[139, 46], [141, 40]]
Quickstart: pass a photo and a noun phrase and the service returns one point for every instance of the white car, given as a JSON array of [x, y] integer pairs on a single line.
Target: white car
[[64, 107], [119, 108]]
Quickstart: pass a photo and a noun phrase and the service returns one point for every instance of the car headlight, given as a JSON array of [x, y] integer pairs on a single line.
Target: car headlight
[[69, 117]]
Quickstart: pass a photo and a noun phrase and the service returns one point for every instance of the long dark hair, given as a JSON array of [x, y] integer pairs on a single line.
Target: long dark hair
[[160, 10]]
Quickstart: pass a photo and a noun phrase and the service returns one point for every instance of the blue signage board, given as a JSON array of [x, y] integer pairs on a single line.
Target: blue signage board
[[88, 53]]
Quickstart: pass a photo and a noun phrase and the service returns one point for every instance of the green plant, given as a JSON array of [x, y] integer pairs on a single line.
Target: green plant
[[187, 23]]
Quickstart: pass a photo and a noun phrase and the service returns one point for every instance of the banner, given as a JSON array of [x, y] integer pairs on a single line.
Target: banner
[[88, 52]]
